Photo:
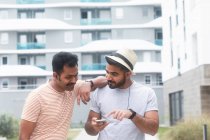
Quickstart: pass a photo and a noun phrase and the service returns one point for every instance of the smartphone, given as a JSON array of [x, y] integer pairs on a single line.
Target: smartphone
[[101, 121]]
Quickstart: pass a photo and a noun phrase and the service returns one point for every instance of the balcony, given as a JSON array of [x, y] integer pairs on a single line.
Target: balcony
[[95, 0], [31, 45], [30, 1], [95, 21], [42, 67], [94, 66], [19, 87], [159, 42]]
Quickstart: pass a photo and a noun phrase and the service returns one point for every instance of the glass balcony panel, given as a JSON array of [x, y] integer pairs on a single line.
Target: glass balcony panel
[[95, 21], [32, 45], [30, 1], [95, 0], [94, 66], [159, 42]]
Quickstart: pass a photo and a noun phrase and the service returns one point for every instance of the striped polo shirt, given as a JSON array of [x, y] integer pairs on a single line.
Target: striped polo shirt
[[51, 110]]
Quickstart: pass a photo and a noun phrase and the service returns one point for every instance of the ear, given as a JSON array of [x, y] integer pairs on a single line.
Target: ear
[[55, 75], [128, 74]]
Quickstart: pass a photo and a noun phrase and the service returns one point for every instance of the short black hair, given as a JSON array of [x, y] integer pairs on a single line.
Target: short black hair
[[112, 62], [63, 58]]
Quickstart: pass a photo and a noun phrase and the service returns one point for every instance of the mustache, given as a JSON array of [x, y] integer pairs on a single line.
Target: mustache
[[70, 84]]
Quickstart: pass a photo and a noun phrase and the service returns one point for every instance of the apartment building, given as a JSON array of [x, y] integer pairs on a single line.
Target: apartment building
[[32, 31], [187, 73]]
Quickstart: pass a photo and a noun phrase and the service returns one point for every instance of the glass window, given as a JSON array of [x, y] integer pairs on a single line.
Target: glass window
[[119, 13], [4, 60], [67, 14], [5, 84], [176, 106], [3, 14], [144, 12], [68, 37], [4, 38], [147, 79]]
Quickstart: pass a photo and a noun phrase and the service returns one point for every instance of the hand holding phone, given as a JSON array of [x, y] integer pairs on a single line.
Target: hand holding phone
[[101, 121]]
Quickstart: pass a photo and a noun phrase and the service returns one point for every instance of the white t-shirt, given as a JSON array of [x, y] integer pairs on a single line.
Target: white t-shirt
[[137, 97]]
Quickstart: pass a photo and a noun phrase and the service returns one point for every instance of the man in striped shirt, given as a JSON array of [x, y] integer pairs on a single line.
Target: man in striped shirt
[[48, 109]]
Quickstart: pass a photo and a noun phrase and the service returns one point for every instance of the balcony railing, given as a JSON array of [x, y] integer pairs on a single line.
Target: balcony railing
[[159, 42], [42, 67], [30, 1], [31, 45], [19, 87], [95, 0], [95, 21], [94, 67]]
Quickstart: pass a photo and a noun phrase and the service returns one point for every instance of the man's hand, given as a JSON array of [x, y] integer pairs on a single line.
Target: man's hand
[[82, 90], [98, 126], [120, 114]]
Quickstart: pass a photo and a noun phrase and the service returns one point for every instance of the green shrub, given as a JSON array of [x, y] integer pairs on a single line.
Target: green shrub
[[190, 129], [8, 126]]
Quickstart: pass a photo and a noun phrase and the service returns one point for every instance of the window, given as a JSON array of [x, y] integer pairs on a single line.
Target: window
[[22, 83], [3, 14], [23, 61], [144, 12], [68, 37], [158, 12], [159, 79], [4, 60], [177, 20], [176, 106], [120, 34], [119, 13], [84, 15], [157, 56], [147, 79], [4, 38], [67, 14], [105, 35], [5, 83], [170, 27]]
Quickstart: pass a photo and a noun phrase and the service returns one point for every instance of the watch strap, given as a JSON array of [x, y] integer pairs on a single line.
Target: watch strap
[[132, 115]]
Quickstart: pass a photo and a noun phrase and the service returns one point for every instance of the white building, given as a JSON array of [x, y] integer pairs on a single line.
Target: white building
[[186, 73], [32, 31]]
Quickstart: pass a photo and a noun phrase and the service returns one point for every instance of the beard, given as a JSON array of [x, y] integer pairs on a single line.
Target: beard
[[70, 87], [114, 85]]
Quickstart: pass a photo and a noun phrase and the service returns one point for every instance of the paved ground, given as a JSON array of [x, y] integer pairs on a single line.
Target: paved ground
[[84, 136]]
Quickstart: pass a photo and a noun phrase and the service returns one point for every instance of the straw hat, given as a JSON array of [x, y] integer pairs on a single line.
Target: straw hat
[[126, 57]]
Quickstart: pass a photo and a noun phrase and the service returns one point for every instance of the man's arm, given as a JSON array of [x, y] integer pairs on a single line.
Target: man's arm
[[26, 129], [149, 123], [91, 126], [83, 88]]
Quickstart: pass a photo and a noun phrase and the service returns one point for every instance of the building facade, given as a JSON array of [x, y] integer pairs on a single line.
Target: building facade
[[186, 74], [32, 31]]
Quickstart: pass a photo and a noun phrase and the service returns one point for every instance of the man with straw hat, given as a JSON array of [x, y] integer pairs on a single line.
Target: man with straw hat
[[124, 109]]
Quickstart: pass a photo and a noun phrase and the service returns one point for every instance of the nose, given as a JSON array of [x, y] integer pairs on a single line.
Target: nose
[[74, 79], [108, 76]]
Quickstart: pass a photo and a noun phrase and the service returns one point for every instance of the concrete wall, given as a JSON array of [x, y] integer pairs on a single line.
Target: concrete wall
[[190, 83]]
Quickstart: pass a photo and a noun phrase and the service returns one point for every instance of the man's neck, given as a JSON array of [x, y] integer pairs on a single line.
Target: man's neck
[[55, 86]]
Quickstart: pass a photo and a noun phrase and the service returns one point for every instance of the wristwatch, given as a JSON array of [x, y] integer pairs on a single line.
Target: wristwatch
[[91, 83], [132, 115]]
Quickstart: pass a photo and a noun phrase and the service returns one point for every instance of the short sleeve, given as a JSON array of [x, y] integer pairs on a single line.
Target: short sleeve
[[32, 107], [94, 102], [152, 101]]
